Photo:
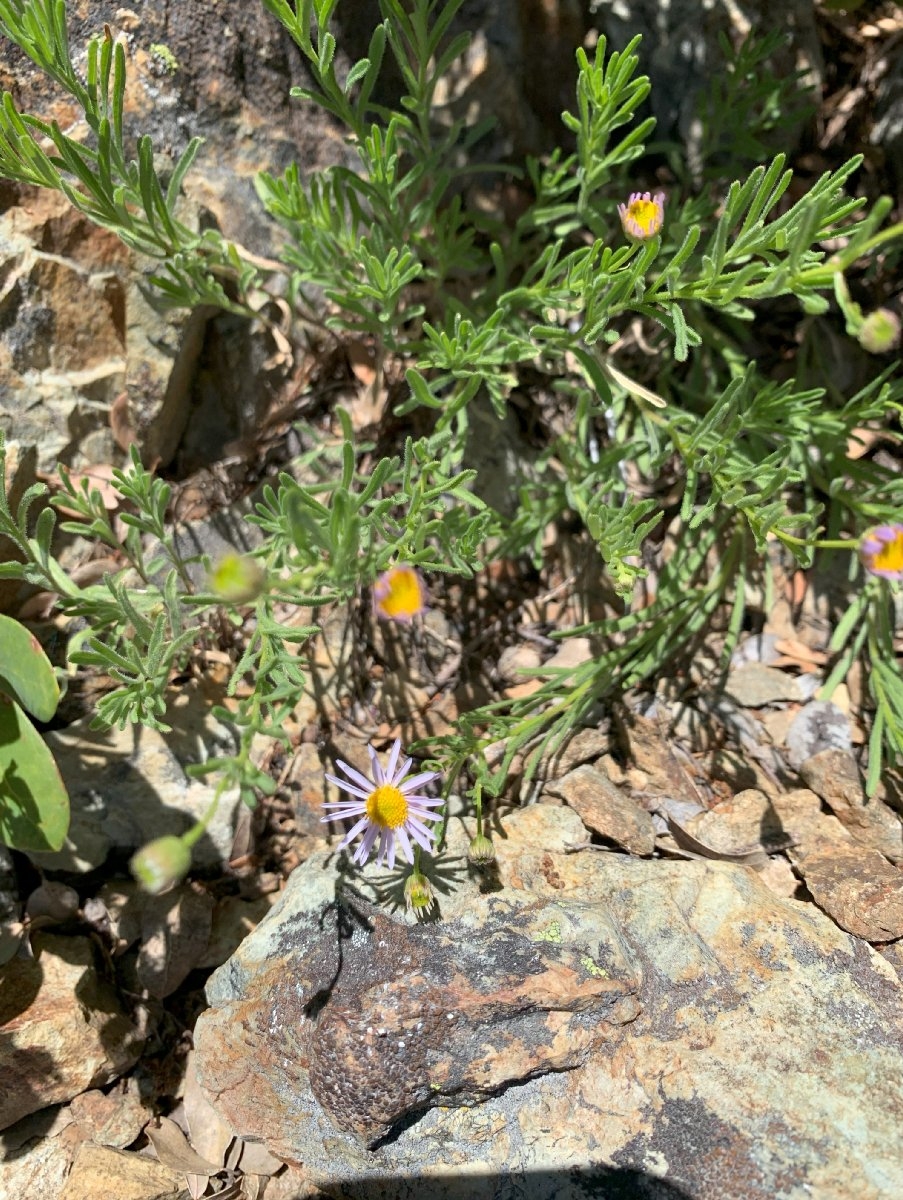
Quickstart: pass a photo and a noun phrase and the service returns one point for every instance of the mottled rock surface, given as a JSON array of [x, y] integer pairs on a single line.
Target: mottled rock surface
[[606, 810], [834, 775], [670, 1023], [63, 1029]]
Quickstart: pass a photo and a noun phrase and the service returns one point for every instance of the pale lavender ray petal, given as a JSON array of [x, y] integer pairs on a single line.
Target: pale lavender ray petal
[[402, 771], [350, 787], [413, 823], [378, 773], [366, 845], [393, 760], [424, 801], [352, 833], [416, 781], [422, 814], [422, 839], [358, 778], [385, 840], [343, 811], [405, 842]]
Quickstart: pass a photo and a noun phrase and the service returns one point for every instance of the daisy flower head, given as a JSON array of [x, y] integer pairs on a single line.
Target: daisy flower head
[[387, 807], [399, 594], [881, 551], [643, 215]]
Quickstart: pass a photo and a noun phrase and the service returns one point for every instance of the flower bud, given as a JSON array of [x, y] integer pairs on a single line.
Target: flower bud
[[161, 863], [237, 578], [880, 331], [418, 892], [481, 851]]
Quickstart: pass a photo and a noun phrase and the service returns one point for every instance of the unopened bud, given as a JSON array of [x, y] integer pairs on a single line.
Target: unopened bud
[[161, 863], [418, 892], [237, 578], [481, 851], [880, 331]]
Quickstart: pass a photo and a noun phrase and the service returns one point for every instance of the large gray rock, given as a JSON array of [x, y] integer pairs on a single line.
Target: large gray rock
[[667, 1027]]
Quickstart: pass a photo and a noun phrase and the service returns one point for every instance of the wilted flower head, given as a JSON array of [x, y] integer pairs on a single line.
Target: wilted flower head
[[399, 595], [388, 807], [880, 331], [881, 551], [643, 215], [481, 851], [418, 892]]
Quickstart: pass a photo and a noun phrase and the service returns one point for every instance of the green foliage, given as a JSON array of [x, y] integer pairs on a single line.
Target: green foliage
[[749, 105], [469, 307], [34, 806]]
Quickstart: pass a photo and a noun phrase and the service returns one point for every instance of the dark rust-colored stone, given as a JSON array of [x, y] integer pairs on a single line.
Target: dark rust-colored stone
[[390, 1020]]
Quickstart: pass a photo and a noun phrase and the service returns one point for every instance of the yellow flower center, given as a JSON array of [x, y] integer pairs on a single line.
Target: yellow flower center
[[387, 807], [404, 597], [645, 213], [890, 556]]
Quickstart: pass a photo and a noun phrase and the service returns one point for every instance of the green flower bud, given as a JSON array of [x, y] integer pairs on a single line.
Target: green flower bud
[[481, 851], [237, 578], [418, 892], [880, 331], [161, 863]]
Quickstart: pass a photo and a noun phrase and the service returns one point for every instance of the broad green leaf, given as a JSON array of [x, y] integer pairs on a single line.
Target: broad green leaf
[[34, 805], [25, 670]]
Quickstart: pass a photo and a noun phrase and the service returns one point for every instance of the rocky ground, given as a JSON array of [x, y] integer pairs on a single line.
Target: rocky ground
[[681, 978]]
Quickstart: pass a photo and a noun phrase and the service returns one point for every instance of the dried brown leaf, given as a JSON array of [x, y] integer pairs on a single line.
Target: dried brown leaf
[[233, 1155], [101, 1171], [197, 1184], [173, 1150], [362, 360]]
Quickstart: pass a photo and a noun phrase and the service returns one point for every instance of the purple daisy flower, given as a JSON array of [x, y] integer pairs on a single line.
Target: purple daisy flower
[[399, 595], [643, 215], [388, 807], [881, 551]]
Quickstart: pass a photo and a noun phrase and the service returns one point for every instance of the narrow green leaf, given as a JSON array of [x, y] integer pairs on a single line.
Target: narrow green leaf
[[189, 154]]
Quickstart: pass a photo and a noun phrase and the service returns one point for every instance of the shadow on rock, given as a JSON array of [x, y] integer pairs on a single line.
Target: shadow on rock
[[604, 1183]]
